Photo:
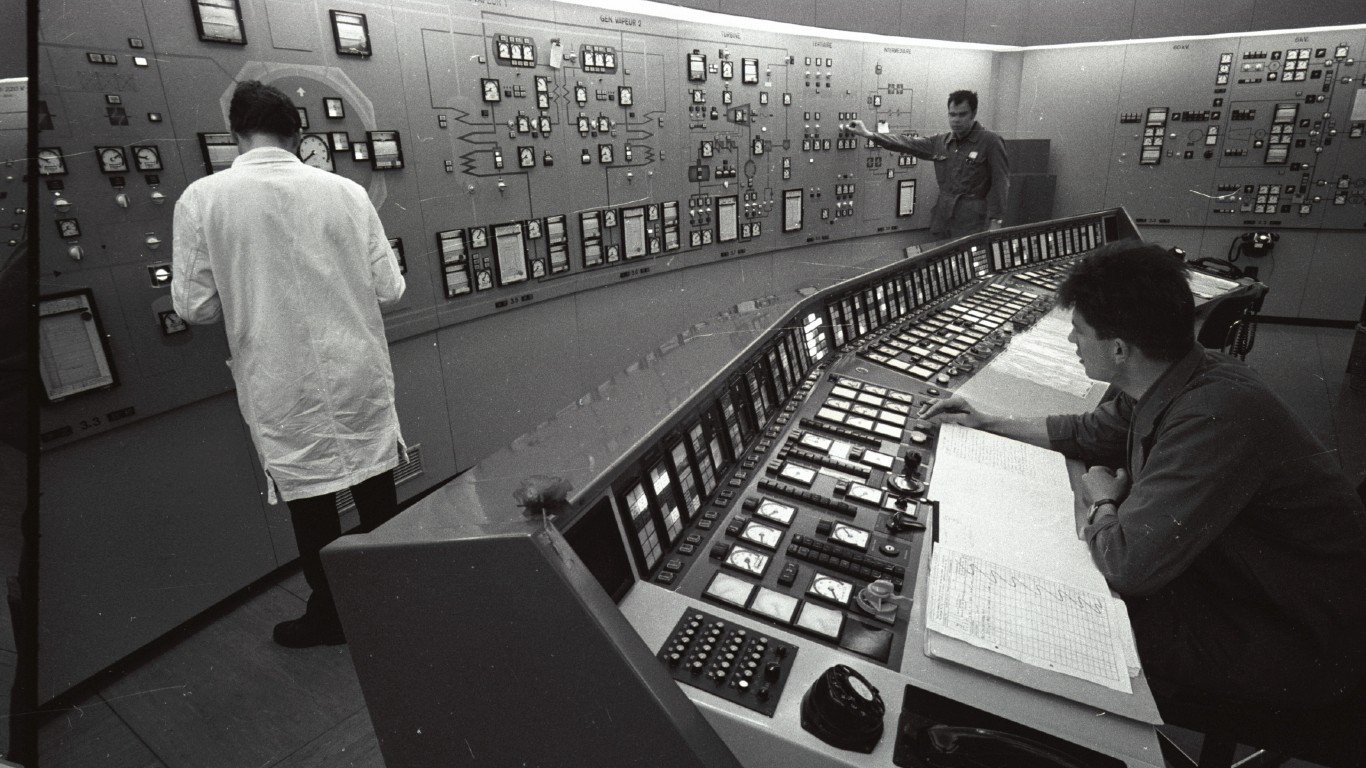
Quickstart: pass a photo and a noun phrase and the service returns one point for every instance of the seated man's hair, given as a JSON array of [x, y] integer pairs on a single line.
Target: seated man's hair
[[1137, 292], [259, 108], [958, 97]]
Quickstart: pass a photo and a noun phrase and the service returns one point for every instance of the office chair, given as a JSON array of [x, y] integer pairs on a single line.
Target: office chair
[[1230, 325]]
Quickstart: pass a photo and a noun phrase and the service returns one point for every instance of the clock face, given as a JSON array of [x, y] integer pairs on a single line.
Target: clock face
[[147, 158], [112, 159], [314, 151], [51, 162]]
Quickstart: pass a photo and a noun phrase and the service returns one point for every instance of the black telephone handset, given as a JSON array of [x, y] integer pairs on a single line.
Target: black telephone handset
[[953, 746], [934, 731]]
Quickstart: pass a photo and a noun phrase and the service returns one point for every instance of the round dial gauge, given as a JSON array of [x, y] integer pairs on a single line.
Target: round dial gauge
[[51, 162], [147, 158], [314, 151], [112, 159], [831, 589]]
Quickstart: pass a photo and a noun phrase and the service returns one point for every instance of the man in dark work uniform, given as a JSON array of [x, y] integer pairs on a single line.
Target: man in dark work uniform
[[969, 163], [1235, 539]]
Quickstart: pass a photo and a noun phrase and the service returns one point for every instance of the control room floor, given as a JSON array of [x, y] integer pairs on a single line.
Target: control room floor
[[218, 692]]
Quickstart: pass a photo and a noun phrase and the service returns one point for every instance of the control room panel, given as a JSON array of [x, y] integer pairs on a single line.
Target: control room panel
[[798, 494], [521, 151]]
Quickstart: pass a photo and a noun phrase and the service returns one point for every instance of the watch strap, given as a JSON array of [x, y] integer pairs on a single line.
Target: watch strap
[[1095, 507]]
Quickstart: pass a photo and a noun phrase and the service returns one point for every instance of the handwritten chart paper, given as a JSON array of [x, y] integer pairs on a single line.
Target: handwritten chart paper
[[1037, 620]]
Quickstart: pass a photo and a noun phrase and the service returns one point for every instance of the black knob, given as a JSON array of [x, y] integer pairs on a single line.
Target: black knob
[[773, 670], [763, 693]]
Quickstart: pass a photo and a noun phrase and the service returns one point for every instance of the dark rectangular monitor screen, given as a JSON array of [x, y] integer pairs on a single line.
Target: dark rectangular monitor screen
[[595, 539]]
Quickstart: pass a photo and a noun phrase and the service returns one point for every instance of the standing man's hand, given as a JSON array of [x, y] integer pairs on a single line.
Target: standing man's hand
[[857, 127]]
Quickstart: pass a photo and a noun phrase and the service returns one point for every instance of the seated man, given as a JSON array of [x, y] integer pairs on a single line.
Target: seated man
[[1233, 536]]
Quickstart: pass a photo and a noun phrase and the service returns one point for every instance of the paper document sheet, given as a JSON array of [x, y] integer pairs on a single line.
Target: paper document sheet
[[1040, 621], [1044, 356], [1014, 577]]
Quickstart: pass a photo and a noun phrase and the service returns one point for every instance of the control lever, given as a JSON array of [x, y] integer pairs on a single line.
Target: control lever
[[907, 484], [879, 599]]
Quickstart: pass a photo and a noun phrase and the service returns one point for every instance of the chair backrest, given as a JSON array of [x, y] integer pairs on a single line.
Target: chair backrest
[[1230, 325]]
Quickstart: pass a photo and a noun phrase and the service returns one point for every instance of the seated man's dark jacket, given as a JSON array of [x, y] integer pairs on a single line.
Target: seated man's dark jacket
[[1240, 540]]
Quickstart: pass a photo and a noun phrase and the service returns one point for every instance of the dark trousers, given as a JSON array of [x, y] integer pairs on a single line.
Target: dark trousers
[[316, 524]]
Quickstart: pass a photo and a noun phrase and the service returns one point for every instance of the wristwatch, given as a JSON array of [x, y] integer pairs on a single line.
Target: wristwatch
[[1095, 507]]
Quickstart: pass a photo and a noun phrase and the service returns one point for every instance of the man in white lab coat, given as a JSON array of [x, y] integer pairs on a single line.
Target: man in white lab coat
[[295, 262]]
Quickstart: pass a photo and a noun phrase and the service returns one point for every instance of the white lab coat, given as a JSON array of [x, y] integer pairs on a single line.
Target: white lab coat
[[295, 261]]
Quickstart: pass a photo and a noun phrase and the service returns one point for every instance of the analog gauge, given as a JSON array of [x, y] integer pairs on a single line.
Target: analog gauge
[[112, 159], [68, 228], [747, 560], [762, 535], [727, 69], [314, 151], [580, 94], [847, 535], [478, 237], [491, 90], [831, 589], [526, 157], [583, 124], [147, 158], [605, 154], [624, 96], [51, 162], [778, 513], [707, 149]]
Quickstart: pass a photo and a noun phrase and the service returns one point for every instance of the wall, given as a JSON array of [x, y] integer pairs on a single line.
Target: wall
[[1045, 22]]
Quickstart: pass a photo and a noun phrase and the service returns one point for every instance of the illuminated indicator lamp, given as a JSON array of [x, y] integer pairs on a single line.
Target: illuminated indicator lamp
[[160, 274]]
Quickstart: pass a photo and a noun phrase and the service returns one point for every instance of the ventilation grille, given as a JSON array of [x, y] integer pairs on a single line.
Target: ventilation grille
[[404, 472]]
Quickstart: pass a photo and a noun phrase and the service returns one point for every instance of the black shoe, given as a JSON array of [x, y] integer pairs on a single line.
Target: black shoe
[[306, 632]]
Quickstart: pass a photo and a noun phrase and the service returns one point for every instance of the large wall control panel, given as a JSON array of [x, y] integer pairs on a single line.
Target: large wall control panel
[[516, 151], [1263, 131]]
